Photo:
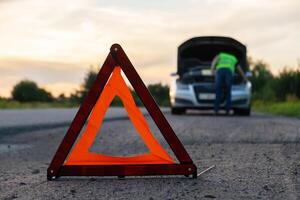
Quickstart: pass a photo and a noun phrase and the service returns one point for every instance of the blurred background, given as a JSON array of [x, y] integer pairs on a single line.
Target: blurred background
[[51, 51]]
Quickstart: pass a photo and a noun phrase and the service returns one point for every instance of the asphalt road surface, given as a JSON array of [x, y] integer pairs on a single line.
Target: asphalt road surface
[[256, 157]]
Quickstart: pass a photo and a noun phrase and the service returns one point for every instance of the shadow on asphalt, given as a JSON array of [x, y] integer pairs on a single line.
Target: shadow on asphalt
[[210, 114]]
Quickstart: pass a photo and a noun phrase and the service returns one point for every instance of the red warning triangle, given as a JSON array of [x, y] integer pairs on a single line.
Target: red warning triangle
[[79, 161]]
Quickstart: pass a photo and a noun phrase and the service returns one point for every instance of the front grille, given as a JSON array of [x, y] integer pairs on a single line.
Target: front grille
[[207, 89]]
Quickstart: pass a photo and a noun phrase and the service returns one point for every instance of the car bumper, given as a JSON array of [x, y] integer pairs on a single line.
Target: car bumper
[[187, 98]]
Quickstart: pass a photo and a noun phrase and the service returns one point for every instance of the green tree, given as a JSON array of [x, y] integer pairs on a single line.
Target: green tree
[[262, 81], [287, 83], [160, 93], [61, 98], [28, 91], [261, 75], [89, 79], [75, 97]]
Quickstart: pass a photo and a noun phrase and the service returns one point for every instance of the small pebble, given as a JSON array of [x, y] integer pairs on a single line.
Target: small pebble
[[209, 196], [73, 191], [35, 171]]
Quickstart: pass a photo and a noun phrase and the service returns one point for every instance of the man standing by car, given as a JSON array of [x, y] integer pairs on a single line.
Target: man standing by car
[[223, 66]]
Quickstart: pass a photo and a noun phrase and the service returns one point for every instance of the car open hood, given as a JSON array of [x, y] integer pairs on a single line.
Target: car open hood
[[200, 51]]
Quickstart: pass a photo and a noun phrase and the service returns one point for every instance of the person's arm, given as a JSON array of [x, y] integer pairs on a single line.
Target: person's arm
[[241, 72], [213, 64]]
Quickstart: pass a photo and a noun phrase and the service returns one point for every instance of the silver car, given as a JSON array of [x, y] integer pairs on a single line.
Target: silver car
[[193, 85]]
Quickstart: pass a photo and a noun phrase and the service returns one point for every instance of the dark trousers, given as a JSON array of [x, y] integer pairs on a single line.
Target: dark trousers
[[223, 80]]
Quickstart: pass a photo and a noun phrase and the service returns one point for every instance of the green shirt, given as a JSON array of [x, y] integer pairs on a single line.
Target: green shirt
[[226, 61]]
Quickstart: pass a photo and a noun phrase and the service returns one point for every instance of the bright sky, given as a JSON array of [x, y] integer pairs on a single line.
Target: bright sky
[[55, 42]]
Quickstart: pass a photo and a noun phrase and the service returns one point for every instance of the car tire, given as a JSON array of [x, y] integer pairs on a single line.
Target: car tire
[[177, 111], [242, 111]]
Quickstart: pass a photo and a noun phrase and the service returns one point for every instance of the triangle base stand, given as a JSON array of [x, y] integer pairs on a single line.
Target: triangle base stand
[[60, 166], [122, 171]]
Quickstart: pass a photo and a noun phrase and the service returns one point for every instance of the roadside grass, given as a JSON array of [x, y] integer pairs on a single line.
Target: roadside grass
[[9, 104], [287, 108]]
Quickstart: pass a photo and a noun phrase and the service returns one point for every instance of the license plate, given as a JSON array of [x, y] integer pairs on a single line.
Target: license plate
[[206, 72], [207, 96]]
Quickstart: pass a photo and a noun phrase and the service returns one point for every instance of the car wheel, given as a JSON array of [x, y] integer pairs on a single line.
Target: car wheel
[[242, 111], [177, 111]]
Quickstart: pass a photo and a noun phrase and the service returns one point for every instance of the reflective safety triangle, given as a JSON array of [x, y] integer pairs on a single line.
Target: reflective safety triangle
[[73, 157]]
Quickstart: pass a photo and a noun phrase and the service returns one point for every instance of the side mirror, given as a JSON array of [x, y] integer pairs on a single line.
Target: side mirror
[[248, 74], [173, 74]]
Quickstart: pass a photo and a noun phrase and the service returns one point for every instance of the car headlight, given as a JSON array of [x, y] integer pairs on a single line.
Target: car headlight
[[249, 84], [181, 86]]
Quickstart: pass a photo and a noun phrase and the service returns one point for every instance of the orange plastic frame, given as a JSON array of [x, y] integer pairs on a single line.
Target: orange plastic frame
[[81, 154]]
